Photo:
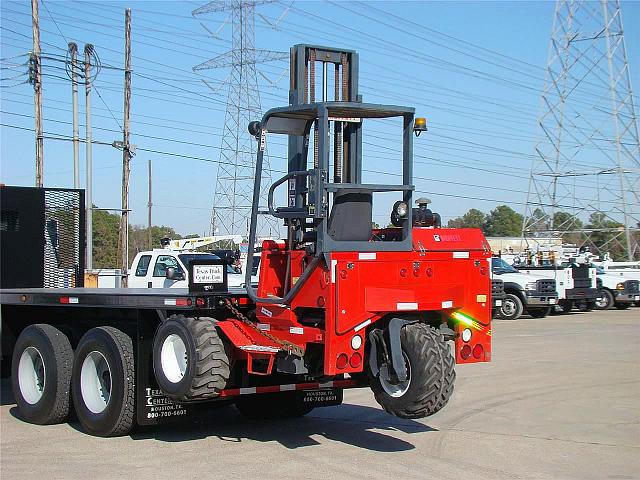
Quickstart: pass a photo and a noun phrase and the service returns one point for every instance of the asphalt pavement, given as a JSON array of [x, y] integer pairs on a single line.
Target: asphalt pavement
[[560, 400]]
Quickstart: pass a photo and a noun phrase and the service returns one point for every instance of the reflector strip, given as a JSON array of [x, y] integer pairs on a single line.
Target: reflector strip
[[265, 327], [447, 304], [170, 301], [234, 392], [362, 325], [296, 330], [460, 254], [367, 256], [334, 266], [407, 306], [66, 300]]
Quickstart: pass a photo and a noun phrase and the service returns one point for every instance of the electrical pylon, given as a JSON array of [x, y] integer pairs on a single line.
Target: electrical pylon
[[585, 177], [234, 183]]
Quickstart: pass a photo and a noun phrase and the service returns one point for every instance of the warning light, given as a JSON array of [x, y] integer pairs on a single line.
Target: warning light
[[419, 126], [467, 320]]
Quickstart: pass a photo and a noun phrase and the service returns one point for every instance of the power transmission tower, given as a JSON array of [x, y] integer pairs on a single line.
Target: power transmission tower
[[234, 184], [585, 179]]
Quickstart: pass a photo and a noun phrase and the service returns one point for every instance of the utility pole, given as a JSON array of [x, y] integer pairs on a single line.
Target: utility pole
[[149, 205], [73, 52], [88, 52], [126, 151], [36, 65]]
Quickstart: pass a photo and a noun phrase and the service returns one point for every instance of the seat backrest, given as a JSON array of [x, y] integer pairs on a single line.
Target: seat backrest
[[351, 216]]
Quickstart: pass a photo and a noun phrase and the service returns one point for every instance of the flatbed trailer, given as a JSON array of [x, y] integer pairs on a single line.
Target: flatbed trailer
[[137, 313]]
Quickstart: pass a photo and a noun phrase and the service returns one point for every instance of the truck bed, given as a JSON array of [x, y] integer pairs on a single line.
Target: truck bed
[[174, 298]]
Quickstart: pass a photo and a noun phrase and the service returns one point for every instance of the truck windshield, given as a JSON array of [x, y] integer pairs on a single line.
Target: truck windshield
[[499, 266], [187, 258]]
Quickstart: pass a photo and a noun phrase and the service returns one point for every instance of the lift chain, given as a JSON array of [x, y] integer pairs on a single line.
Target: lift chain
[[290, 348]]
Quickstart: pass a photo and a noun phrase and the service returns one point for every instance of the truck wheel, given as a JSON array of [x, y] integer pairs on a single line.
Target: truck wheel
[[512, 307], [605, 302], [539, 312], [586, 306], [565, 306], [622, 306], [270, 406], [189, 358], [104, 382], [41, 374], [430, 375]]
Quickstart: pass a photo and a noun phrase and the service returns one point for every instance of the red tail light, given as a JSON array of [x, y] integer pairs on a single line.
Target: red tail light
[[465, 352], [356, 360], [342, 361], [478, 351]]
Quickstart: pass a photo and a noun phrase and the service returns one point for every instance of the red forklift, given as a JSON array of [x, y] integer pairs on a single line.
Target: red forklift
[[340, 304]]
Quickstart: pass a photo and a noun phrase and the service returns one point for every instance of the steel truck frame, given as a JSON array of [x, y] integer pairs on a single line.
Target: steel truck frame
[[339, 304]]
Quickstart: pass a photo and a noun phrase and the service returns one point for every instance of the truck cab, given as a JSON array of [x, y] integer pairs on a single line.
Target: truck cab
[[616, 290], [524, 292], [163, 268]]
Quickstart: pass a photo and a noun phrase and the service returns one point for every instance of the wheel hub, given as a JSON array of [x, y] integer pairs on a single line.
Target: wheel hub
[[95, 382], [395, 389], [31, 375]]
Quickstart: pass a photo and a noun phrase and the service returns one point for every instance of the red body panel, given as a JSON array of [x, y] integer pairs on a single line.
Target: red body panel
[[447, 272]]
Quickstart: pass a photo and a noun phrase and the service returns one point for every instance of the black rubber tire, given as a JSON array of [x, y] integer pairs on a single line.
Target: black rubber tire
[[622, 306], [271, 406], [432, 370], [606, 300], [539, 312], [587, 306], [565, 306], [118, 417], [57, 359], [514, 307], [205, 377]]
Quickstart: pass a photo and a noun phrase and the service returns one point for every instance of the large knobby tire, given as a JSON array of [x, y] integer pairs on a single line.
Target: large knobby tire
[[539, 312], [271, 406], [189, 358], [41, 374], [430, 371], [606, 301], [512, 307], [104, 382]]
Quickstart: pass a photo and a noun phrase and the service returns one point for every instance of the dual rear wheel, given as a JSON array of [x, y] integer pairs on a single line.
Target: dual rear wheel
[[100, 379]]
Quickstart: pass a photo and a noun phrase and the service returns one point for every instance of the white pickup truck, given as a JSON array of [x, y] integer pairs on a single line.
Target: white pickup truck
[[164, 268]]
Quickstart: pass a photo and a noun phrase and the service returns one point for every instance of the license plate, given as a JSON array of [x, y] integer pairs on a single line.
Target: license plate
[[552, 301], [322, 398], [498, 303], [208, 273]]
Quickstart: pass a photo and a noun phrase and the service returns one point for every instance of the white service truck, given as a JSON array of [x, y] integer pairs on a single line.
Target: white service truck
[[164, 268], [524, 293], [616, 290]]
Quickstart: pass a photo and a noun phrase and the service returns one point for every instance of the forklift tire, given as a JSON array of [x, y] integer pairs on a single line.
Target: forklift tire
[[622, 306], [41, 374], [271, 406], [606, 301], [189, 358], [430, 375], [104, 382], [565, 306], [539, 312], [512, 307]]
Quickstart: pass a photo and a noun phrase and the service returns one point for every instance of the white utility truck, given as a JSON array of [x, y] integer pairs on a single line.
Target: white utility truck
[[616, 289], [524, 293], [168, 267]]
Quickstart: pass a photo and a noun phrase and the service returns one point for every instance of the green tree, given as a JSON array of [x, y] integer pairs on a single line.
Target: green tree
[[474, 218], [105, 239], [610, 238], [503, 221], [139, 238]]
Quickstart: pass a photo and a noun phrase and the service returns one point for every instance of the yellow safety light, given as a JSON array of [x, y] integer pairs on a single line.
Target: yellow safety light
[[419, 126]]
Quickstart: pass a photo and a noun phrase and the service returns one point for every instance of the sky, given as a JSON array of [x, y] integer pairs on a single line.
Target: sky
[[475, 70]]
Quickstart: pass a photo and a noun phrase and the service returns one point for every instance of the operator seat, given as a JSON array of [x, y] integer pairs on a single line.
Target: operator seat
[[351, 216]]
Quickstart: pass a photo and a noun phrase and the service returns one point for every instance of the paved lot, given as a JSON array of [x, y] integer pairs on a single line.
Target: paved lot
[[561, 400]]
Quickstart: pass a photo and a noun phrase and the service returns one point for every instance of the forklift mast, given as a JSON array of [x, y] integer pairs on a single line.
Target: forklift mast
[[328, 211]]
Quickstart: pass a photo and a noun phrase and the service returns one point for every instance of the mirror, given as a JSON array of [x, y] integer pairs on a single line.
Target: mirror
[[174, 274]]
